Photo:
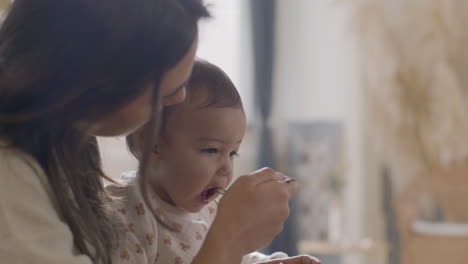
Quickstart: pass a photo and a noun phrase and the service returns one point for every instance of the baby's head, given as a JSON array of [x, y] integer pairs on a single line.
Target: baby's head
[[198, 140]]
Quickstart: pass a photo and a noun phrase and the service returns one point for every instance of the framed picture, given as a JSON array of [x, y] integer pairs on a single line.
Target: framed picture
[[315, 159]]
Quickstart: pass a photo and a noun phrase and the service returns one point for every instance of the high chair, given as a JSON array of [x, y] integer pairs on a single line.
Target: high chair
[[423, 242]]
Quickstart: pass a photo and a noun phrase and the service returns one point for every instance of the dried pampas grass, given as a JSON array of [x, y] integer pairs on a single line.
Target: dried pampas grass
[[415, 78]]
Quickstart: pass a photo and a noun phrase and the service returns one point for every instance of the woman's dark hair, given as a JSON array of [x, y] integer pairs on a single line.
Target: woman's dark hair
[[64, 61]]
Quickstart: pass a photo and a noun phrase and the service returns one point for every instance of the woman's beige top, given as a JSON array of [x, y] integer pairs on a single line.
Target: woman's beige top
[[31, 231]]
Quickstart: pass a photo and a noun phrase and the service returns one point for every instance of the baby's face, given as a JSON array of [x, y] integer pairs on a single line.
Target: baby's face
[[195, 157]]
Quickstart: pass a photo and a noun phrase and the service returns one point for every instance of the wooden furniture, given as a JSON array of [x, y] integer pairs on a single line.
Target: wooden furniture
[[368, 247], [449, 187]]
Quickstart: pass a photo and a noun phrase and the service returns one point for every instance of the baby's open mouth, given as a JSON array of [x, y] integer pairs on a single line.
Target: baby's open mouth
[[207, 195]]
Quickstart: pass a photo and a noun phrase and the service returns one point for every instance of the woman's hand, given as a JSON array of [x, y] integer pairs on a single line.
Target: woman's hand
[[250, 215], [302, 259]]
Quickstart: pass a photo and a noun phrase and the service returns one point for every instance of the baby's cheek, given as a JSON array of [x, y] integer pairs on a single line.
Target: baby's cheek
[[185, 181]]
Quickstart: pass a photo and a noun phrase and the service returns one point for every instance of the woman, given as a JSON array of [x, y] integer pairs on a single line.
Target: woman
[[71, 70]]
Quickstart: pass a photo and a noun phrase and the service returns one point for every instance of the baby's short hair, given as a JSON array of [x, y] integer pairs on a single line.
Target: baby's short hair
[[208, 86]]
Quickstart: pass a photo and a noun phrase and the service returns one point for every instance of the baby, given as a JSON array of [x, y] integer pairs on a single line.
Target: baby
[[190, 163]]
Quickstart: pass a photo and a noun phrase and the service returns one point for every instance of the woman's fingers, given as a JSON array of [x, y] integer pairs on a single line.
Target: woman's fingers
[[267, 174], [253, 210], [293, 187], [264, 175]]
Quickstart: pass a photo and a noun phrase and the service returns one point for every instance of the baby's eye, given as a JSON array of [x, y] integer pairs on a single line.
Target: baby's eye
[[210, 150]]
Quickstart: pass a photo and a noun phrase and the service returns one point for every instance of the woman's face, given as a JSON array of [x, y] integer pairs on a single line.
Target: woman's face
[[138, 112]]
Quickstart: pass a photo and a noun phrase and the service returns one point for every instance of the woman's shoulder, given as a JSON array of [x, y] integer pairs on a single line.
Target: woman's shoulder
[[19, 170], [22, 180], [31, 230], [16, 161], [10, 154]]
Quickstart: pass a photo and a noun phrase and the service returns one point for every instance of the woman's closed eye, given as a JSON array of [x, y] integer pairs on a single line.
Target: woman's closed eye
[[234, 154]]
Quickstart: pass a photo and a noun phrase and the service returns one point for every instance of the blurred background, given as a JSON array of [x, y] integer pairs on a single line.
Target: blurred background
[[365, 103]]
